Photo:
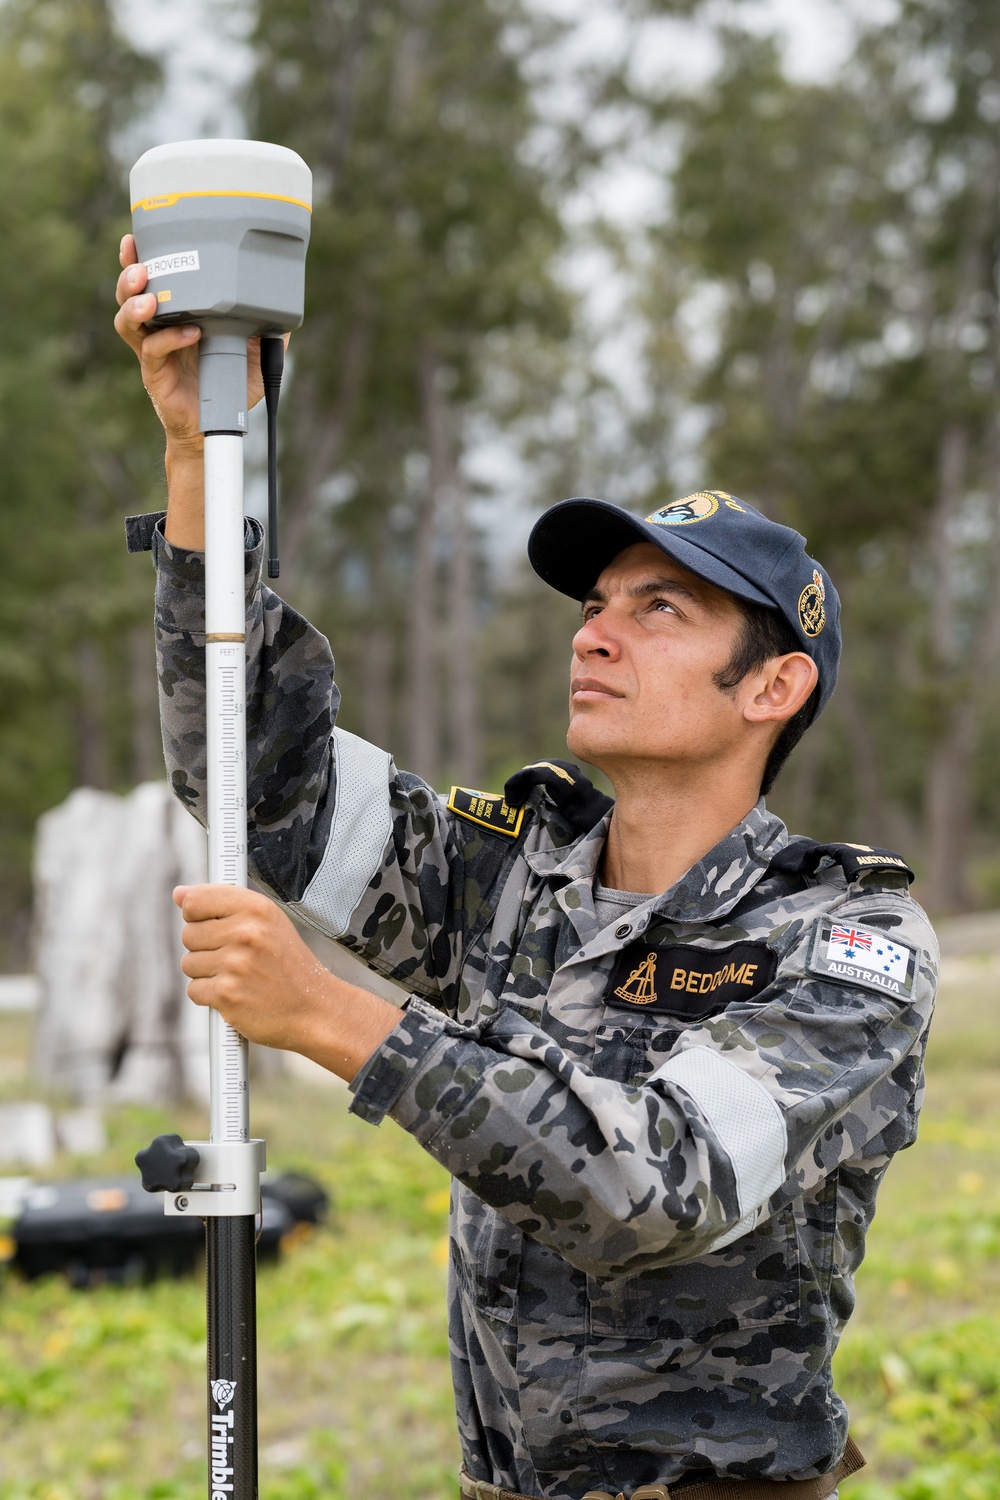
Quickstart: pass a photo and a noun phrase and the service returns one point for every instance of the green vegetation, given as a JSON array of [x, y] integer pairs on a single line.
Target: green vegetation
[[812, 287], [101, 1392], [918, 1365]]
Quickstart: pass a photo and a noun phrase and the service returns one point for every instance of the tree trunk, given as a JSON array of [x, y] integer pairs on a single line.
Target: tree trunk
[[421, 645], [376, 660], [92, 756], [868, 780], [464, 722], [316, 434], [946, 785], [147, 750]]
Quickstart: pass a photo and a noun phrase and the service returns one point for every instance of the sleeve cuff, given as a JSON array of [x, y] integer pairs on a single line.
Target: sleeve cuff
[[181, 575], [398, 1063]]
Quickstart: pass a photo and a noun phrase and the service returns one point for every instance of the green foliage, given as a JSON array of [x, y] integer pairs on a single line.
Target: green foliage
[[355, 1394], [75, 444], [433, 239], [840, 240]]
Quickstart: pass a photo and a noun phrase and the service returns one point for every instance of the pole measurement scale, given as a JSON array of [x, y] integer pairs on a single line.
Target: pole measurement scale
[[223, 228]]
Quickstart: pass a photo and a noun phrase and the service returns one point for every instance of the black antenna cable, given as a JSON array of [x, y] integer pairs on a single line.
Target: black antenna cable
[[272, 363]]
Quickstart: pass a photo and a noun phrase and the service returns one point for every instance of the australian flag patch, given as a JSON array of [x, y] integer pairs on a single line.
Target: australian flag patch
[[860, 955]]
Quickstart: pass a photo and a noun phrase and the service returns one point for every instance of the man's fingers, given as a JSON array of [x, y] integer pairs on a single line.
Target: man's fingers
[[201, 903], [209, 934], [127, 253], [200, 965], [201, 992], [159, 346], [131, 281]]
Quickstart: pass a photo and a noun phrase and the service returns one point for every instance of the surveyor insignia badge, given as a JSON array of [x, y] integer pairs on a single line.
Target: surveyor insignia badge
[[689, 983]]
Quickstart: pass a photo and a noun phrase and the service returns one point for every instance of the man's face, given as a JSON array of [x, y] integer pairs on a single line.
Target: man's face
[[652, 639]]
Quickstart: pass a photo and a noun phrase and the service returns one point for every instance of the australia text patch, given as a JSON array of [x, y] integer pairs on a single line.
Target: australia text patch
[[689, 982], [860, 955], [488, 809]]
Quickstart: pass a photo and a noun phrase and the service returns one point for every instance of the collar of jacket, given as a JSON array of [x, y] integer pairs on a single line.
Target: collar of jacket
[[709, 890]]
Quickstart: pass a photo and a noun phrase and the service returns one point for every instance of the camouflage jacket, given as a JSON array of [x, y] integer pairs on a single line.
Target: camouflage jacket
[[665, 1135]]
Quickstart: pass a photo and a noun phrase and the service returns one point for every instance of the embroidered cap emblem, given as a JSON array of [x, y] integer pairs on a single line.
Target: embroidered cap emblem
[[697, 507], [812, 606]]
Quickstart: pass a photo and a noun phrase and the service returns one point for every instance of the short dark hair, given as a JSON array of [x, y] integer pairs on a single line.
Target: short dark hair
[[764, 633]]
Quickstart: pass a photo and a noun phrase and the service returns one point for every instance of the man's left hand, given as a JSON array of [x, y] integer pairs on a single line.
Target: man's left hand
[[246, 960]]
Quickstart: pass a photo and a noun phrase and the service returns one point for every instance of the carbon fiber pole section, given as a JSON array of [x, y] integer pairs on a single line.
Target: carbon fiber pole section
[[231, 1287]]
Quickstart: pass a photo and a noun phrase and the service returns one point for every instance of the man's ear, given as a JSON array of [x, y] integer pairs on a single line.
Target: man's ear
[[778, 690]]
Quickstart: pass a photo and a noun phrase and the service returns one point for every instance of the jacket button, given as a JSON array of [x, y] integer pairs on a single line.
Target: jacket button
[[623, 930]]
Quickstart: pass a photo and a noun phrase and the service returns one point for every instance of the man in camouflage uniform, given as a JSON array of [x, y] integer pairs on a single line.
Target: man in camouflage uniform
[[665, 1052]]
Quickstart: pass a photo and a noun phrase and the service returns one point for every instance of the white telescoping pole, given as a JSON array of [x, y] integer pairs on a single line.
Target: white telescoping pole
[[225, 673], [222, 227], [230, 1239]]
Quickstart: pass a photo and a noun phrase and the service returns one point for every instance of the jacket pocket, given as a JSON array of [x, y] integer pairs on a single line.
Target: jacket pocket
[[486, 1254], [753, 1281]]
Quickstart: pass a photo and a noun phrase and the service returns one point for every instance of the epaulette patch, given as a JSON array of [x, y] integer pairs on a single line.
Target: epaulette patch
[[488, 809], [580, 803], [802, 856]]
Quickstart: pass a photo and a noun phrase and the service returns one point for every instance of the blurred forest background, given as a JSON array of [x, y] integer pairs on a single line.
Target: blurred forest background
[[796, 299]]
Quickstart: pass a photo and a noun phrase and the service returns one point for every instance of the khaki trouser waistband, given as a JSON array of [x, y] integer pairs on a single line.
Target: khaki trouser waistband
[[710, 1489]]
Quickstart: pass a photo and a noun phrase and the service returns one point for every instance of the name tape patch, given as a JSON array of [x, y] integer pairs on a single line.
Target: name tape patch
[[487, 809], [172, 265], [860, 955], [689, 982]]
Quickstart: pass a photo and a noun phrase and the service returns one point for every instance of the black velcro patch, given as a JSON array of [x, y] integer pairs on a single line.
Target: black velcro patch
[[579, 801], [689, 982], [802, 856], [139, 530], [488, 809]]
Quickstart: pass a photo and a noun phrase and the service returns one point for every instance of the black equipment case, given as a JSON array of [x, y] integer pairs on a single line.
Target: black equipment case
[[109, 1229]]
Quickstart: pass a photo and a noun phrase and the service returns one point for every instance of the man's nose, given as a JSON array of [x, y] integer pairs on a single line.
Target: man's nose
[[597, 637]]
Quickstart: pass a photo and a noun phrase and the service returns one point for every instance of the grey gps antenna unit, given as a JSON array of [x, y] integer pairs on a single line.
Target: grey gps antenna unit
[[223, 227]]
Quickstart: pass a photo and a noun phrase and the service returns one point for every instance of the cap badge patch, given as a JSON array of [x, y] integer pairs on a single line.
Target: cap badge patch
[[812, 608], [697, 507]]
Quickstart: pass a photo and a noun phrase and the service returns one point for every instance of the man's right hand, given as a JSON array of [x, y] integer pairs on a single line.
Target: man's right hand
[[168, 357]]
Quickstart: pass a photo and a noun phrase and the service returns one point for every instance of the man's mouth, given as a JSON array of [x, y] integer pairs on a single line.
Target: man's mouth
[[590, 690]]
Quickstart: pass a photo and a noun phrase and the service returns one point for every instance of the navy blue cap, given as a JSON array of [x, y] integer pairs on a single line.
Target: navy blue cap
[[714, 535]]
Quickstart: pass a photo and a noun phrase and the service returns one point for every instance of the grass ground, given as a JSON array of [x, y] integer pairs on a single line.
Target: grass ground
[[101, 1392]]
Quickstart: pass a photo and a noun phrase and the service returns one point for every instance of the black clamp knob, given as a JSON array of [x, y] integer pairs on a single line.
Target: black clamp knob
[[168, 1165]]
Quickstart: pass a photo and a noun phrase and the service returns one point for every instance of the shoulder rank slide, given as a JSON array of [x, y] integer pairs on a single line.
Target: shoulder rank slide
[[802, 856], [579, 801], [487, 809]]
